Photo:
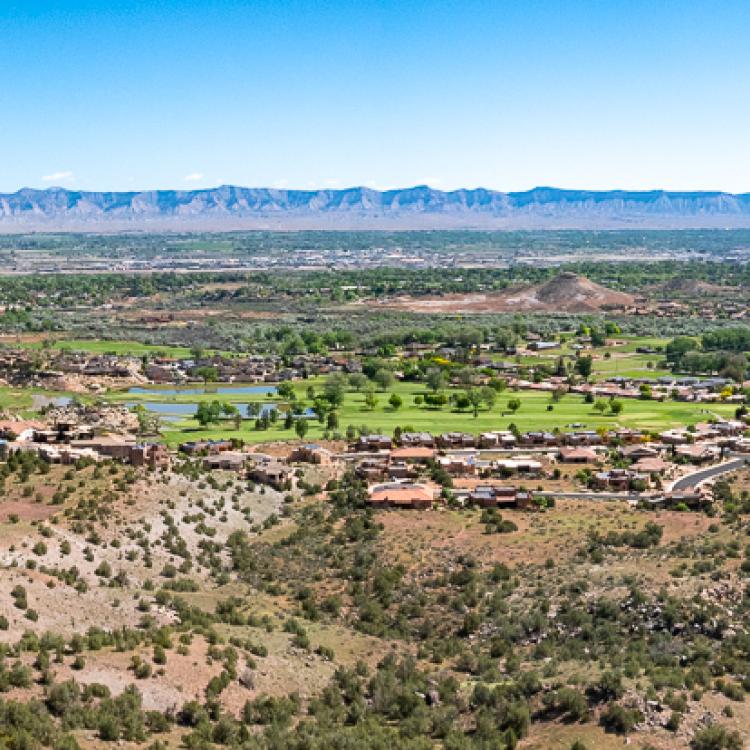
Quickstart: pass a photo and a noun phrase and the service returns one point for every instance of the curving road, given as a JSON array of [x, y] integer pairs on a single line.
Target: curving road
[[691, 480]]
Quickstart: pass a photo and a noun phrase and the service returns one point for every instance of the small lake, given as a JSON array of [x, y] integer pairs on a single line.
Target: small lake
[[219, 390], [39, 401], [167, 408]]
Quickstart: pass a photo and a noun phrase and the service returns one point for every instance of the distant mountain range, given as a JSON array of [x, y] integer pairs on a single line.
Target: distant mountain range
[[418, 207]]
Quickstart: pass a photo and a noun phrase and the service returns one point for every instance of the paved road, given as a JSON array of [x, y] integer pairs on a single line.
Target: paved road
[[594, 495], [691, 480]]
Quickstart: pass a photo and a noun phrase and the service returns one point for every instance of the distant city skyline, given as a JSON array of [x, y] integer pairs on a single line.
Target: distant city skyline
[[508, 96]]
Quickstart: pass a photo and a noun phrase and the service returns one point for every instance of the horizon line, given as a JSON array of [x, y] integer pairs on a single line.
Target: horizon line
[[329, 189]]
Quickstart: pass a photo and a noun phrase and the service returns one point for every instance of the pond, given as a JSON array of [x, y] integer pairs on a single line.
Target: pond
[[38, 401], [166, 408]]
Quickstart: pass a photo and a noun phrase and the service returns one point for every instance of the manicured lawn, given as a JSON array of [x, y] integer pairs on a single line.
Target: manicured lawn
[[633, 342], [98, 346], [21, 399], [532, 415], [629, 365]]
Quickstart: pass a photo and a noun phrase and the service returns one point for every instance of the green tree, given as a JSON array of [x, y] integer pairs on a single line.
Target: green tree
[[358, 381], [395, 401], [384, 379], [301, 427], [600, 405], [286, 390], [207, 374], [371, 400], [474, 395], [489, 396], [335, 389], [615, 407], [435, 379], [584, 365], [208, 413]]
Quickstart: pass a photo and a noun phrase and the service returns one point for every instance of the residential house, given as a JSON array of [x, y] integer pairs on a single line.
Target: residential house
[[413, 455], [456, 440], [273, 473], [414, 439], [373, 443], [401, 495], [527, 466], [312, 454], [578, 455], [498, 439], [698, 453], [226, 460]]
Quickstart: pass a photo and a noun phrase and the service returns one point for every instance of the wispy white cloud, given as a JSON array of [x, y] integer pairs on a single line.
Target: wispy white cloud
[[375, 185], [194, 177], [433, 182], [59, 177]]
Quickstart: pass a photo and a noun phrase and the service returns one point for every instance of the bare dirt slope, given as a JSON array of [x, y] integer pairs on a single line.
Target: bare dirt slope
[[567, 292]]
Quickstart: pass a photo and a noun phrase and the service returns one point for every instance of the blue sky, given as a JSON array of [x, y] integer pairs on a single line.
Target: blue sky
[[506, 95]]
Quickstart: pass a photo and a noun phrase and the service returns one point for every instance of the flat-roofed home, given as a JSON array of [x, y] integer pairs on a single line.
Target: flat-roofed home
[[159, 373], [482, 496], [256, 457], [401, 495], [578, 455], [626, 435], [69, 456], [20, 430], [458, 465], [509, 497], [402, 470], [539, 346], [545, 439], [583, 437], [113, 446], [77, 432], [413, 439], [273, 473], [372, 443], [418, 454], [149, 454], [488, 440], [638, 452], [497, 439], [493, 496], [372, 469], [192, 447], [528, 466], [730, 427], [45, 436], [226, 460], [654, 467], [688, 498], [705, 431], [675, 437], [742, 445], [618, 480], [524, 499], [64, 454], [312, 454], [698, 453], [456, 440]]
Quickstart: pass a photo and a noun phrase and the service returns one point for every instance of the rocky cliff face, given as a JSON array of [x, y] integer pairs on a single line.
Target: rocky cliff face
[[231, 207]]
